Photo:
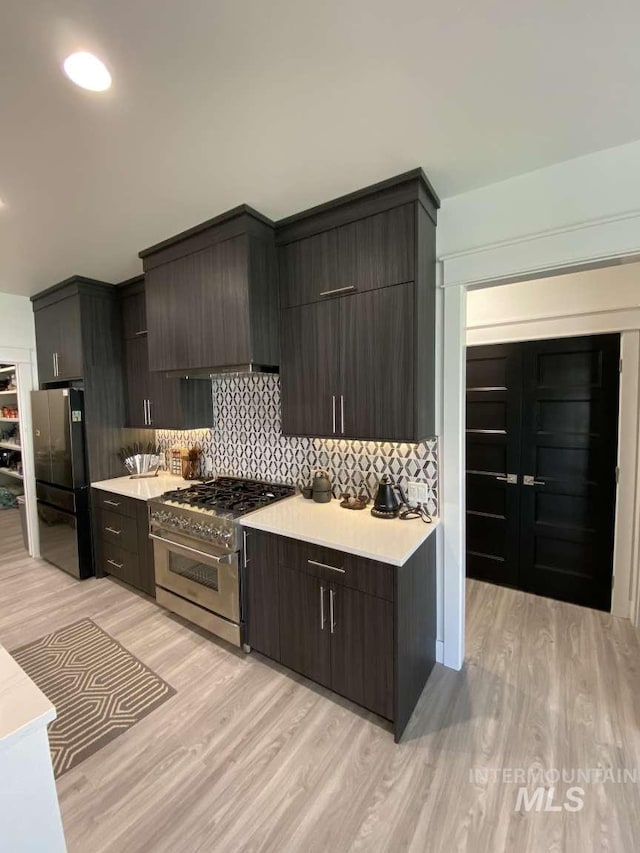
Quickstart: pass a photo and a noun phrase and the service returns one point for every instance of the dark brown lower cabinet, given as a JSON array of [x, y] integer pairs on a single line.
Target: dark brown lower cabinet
[[121, 540], [307, 609]]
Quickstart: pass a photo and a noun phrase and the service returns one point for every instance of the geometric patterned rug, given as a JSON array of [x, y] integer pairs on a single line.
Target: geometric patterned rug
[[99, 689]]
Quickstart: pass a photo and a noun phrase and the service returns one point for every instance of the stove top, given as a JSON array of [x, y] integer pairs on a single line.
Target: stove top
[[229, 496]]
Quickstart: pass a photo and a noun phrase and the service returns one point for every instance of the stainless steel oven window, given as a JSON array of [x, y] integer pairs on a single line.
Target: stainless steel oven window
[[187, 567]]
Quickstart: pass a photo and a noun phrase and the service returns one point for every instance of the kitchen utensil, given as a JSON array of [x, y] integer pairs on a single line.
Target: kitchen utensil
[[321, 487], [386, 504], [307, 492], [352, 502]]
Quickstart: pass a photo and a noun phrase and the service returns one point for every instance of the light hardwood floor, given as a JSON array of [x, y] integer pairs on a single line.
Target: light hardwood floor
[[249, 757]]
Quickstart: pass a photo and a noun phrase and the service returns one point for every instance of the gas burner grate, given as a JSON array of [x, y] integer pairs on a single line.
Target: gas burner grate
[[227, 494]]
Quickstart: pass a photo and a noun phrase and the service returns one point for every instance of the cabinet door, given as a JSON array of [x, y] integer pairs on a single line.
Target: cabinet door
[[59, 341], [309, 267], [263, 593], [47, 345], [377, 251], [70, 358], [137, 381], [304, 625], [134, 316], [377, 364], [361, 629], [309, 371]]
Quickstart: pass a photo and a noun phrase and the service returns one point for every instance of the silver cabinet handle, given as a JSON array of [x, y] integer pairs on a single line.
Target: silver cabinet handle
[[149, 410], [337, 290], [170, 545], [113, 530], [332, 621], [528, 480], [144, 409], [333, 409], [245, 559], [342, 414], [322, 608], [510, 478], [141, 333], [117, 565], [53, 356], [325, 566], [111, 503]]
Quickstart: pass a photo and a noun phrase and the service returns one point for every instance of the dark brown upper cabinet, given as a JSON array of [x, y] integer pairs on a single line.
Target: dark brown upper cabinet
[[357, 284], [373, 252], [79, 342], [59, 336], [155, 401], [212, 297]]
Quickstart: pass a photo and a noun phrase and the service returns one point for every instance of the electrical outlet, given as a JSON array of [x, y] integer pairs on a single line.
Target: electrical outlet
[[417, 492]]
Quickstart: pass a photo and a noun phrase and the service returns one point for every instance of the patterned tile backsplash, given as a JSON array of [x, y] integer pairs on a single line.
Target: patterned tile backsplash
[[246, 440]]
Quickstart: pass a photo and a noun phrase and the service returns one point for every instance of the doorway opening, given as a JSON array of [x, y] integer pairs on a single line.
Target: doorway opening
[[12, 501], [542, 435]]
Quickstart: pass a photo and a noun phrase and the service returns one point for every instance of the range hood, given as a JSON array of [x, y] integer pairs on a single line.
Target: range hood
[[211, 293], [226, 372]]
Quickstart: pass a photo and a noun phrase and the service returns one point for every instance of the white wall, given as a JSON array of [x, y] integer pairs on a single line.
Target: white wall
[[16, 322], [597, 300]]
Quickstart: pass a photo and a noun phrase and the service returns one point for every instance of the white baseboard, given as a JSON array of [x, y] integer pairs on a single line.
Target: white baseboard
[[439, 651]]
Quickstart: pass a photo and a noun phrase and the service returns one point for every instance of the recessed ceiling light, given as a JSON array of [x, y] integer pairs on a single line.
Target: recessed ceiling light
[[87, 71]]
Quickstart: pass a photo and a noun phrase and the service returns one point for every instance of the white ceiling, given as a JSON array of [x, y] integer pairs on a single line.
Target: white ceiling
[[283, 104]]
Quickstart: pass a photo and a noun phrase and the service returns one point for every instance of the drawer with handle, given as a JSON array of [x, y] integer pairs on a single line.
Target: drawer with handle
[[115, 503], [338, 567], [120, 563], [119, 530]]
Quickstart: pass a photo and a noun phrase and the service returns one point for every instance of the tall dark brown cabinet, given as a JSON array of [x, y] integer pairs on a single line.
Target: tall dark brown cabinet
[[357, 290], [78, 341]]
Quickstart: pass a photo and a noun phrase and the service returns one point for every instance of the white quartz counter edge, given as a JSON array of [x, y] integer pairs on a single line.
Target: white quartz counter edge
[[354, 531], [23, 706], [144, 488]]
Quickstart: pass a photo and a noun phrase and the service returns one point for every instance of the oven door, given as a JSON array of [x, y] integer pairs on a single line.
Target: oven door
[[208, 580]]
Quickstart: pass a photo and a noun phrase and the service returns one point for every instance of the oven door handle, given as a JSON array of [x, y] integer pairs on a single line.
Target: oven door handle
[[170, 544]]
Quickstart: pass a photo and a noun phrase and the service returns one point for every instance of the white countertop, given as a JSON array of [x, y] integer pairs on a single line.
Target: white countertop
[[23, 706], [144, 488], [354, 531]]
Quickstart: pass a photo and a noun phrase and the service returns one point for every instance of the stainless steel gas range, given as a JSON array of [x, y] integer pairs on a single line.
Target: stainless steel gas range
[[199, 554]]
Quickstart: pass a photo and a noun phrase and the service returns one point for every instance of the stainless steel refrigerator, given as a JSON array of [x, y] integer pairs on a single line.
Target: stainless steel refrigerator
[[62, 486]]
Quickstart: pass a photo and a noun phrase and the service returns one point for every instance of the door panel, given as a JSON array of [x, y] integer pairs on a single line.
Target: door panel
[[310, 361], [304, 634], [61, 449], [493, 451], [41, 435], [362, 649], [569, 445], [137, 381], [377, 355]]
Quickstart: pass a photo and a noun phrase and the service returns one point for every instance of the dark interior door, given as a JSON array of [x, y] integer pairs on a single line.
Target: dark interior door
[[494, 394], [569, 453], [545, 412]]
